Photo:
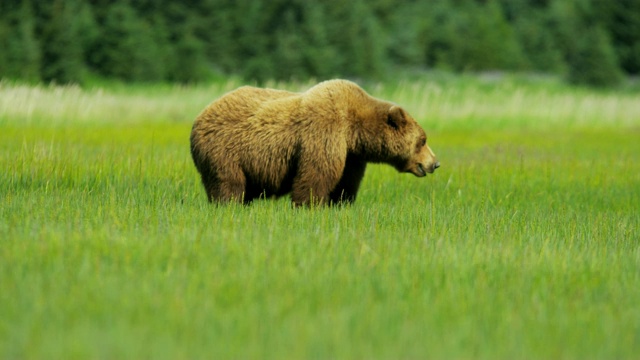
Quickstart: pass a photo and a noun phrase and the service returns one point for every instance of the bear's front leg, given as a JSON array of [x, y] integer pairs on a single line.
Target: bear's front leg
[[347, 188], [307, 192], [315, 180]]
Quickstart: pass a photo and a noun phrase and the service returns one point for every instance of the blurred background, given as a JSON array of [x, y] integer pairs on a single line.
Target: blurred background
[[592, 42]]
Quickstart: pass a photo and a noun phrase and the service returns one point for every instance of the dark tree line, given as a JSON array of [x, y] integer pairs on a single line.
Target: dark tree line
[[593, 42]]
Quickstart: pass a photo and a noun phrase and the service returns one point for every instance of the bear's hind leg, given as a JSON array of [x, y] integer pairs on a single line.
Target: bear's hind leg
[[224, 187], [232, 186], [211, 189], [210, 184]]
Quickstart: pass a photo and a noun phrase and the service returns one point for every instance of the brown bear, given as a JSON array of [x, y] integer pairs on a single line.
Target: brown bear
[[255, 142]]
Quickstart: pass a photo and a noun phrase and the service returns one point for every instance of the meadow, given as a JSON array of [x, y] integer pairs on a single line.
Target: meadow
[[524, 244]]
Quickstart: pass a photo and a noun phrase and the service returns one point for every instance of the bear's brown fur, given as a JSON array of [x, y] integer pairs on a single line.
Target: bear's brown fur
[[315, 145]]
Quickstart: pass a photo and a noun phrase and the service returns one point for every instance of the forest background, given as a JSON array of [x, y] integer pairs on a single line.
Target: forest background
[[593, 42]]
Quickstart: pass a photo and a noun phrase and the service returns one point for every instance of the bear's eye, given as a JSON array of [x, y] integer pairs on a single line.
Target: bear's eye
[[423, 142]]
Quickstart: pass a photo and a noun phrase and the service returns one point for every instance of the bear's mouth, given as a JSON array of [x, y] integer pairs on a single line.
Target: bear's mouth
[[420, 171]]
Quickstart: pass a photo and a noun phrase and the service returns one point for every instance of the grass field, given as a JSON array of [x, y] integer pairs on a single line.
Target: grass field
[[524, 244]]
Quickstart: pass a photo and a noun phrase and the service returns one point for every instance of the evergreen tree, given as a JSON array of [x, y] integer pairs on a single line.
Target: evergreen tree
[[595, 62], [532, 28], [62, 52], [178, 35], [587, 49], [589, 41], [190, 61], [320, 57], [478, 38], [20, 57], [302, 48], [411, 33], [288, 49], [127, 49], [254, 60], [357, 37], [621, 19], [219, 35]]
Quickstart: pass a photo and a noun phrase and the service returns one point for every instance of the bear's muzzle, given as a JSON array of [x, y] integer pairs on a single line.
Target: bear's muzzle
[[421, 170]]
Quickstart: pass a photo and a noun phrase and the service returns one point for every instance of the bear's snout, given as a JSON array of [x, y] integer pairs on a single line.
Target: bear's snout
[[421, 170], [425, 162], [430, 168]]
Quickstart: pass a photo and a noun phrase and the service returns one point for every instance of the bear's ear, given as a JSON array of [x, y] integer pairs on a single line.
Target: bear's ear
[[396, 117]]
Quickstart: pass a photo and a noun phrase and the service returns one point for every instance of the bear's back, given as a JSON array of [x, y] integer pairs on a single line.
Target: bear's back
[[241, 104]]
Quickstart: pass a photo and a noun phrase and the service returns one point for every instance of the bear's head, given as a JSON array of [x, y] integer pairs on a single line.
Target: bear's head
[[407, 144]]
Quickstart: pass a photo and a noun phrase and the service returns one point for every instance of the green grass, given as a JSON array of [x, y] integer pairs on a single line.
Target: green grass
[[524, 244]]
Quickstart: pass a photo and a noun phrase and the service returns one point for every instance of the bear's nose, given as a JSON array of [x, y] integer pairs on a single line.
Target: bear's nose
[[436, 165]]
